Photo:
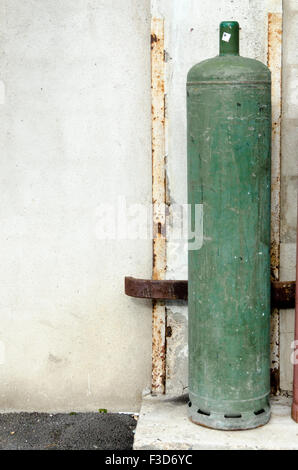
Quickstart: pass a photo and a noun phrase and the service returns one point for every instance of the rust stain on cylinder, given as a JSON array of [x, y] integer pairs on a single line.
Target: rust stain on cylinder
[[274, 64], [158, 201]]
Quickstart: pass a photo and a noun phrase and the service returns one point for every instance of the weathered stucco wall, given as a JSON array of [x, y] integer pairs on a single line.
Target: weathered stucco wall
[[74, 133], [289, 180]]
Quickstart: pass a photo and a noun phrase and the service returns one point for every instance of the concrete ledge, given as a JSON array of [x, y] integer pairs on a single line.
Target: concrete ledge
[[163, 425]]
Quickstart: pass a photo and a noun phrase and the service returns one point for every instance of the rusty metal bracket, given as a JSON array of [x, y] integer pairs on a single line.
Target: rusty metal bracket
[[150, 289], [282, 293]]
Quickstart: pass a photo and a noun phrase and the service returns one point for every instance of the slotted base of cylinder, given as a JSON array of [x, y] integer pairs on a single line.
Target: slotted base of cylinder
[[227, 420], [163, 424]]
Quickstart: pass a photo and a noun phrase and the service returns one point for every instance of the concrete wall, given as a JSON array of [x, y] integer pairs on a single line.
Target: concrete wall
[[74, 133], [289, 180]]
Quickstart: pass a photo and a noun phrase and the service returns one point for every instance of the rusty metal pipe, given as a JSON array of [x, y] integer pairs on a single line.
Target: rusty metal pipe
[[158, 202], [295, 380], [282, 292]]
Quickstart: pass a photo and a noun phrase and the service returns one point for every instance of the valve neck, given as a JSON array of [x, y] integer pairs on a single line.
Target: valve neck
[[229, 38]]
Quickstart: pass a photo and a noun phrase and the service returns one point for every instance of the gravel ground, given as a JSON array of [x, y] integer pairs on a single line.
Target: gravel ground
[[84, 431]]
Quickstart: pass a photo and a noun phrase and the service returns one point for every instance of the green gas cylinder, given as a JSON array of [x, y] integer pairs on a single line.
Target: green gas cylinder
[[229, 135]]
